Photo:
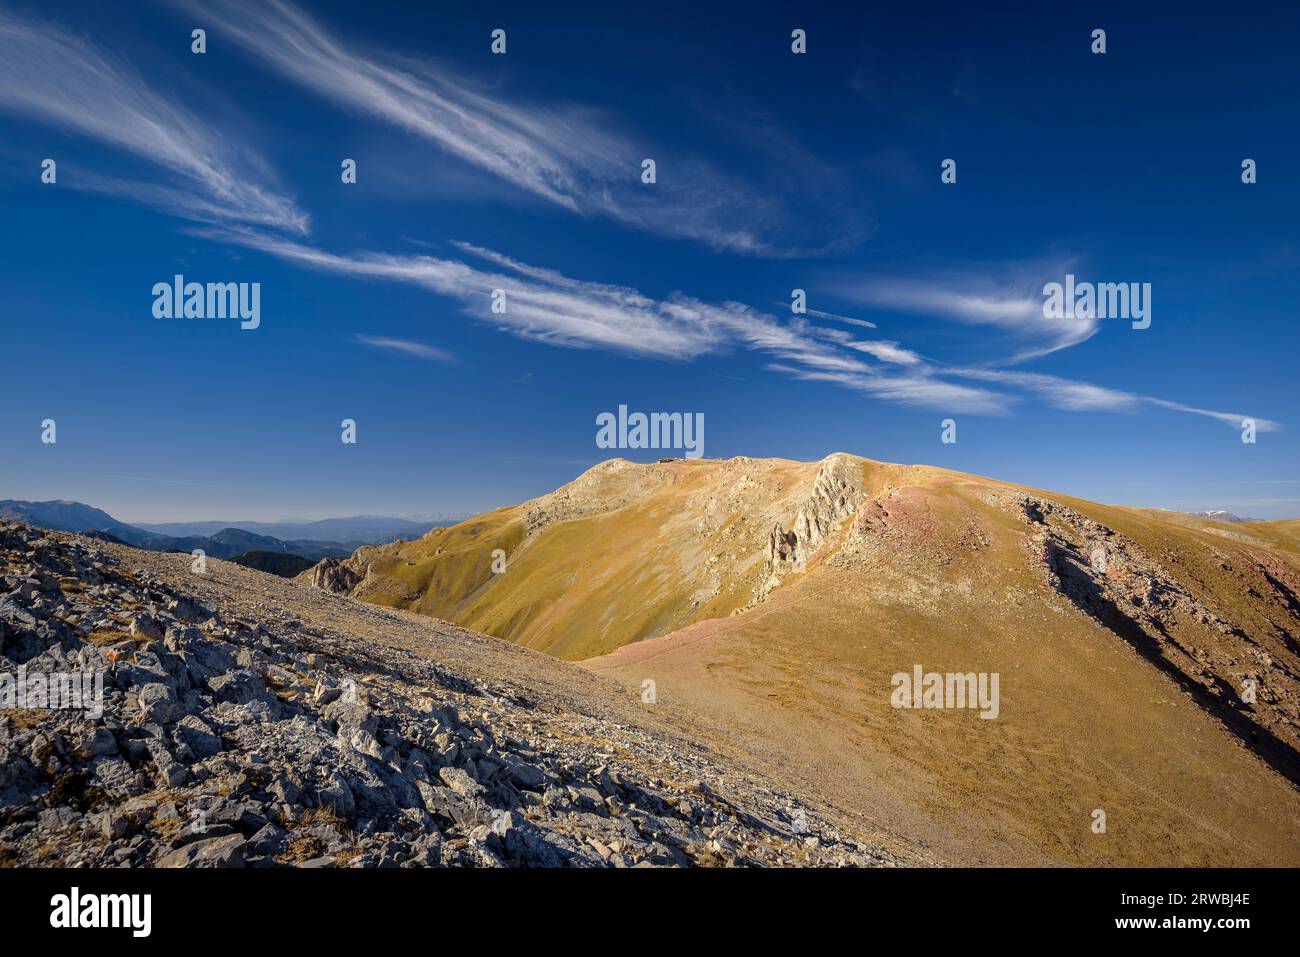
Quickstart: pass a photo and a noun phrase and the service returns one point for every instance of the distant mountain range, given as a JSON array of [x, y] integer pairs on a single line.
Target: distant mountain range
[[1219, 515], [365, 529], [310, 541]]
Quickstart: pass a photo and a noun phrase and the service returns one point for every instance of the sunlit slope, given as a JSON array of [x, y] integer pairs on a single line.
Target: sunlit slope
[[801, 688], [1284, 535], [624, 553], [1149, 661], [630, 552], [1118, 688]]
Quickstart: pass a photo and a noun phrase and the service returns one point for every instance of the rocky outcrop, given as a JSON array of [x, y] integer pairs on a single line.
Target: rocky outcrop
[[1174, 624], [836, 494], [1098, 570], [334, 575]]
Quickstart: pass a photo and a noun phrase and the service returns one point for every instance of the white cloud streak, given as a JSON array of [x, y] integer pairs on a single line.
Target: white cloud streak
[[562, 155], [919, 389], [1067, 394], [1073, 396], [1014, 306], [883, 349], [834, 317], [547, 306], [405, 346], [61, 80], [1233, 419]]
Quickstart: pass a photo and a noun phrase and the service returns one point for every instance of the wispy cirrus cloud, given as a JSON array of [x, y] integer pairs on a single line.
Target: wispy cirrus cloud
[[1067, 394], [1234, 419], [537, 150], [920, 389], [835, 317], [61, 80], [1073, 396], [1009, 298], [1011, 304], [406, 347], [540, 304], [562, 154], [883, 349], [547, 306]]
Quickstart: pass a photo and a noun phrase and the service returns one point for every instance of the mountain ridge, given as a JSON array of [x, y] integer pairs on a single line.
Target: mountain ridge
[[852, 570], [360, 529]]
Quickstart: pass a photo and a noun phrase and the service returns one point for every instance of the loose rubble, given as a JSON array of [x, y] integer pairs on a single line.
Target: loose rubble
[[235, 734]]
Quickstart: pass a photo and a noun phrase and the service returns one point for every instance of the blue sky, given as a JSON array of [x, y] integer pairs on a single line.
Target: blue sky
[[521, 171]]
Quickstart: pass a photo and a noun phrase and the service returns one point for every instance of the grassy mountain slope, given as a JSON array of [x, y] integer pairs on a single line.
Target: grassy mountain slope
[[773, 601], [1093, 716], [625, 552]]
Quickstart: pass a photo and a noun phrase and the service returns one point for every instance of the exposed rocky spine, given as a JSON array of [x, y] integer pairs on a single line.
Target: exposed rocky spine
[[1114, 581], [334, 575], [836, 494]]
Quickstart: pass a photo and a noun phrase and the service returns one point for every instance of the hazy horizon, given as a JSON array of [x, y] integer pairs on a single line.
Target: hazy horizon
[[1255, 508]]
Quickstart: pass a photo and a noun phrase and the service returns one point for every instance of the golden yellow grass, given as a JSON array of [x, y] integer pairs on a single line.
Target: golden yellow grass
[[800, 682], [1084, 724]]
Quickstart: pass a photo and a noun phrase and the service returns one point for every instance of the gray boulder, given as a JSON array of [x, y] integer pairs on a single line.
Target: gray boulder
[[239, 687], [158, 704], [213, 852], [200, 739]]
